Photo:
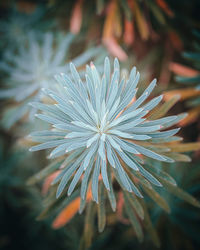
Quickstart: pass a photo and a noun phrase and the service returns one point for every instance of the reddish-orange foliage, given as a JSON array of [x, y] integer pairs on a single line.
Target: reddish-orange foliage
[[192, 116], [120, 205], [111, 30], [26, 7], [175, 40], [182, 70], [128, 32], [114, 48], [164, 6], [69, 211], [141, 22], [184, 93], [48, 181], [76, 18]]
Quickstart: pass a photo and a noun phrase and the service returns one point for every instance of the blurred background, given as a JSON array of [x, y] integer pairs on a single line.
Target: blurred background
[[161, 38]]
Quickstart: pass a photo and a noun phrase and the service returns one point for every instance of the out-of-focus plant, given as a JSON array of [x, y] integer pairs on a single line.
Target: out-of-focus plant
[[32, 69], [189, 78], [7, 176], [104, 137], [15, 25], [127, 27]]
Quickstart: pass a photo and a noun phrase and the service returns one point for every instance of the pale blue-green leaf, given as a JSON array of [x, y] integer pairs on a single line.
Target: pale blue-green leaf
[[153, 103], [129, 90], [128, 161], [126, 100], [52, 109], [111, 195], [47, 118], [74, 73], [101, 150], [104, 174], [113, 143], [63, 47], [103, 89], [77, 145], [68, 111], [145, 129], [168, 159], [134, 188], [107, 73], [91, 152], [75, 180], [68, 174], [6, 93], [92, 139], [144, 96], [160, 121], [91, 92], [164, 134], [125, 145], [80, 134], [148, 176], [85, 126], [60, 148], [82, 114], [47, 47], [92, 111], [84, 184], [122, 174], [120, 88], [47, 145], [130, 115], [48, 133], [95, 180], [26, 92], [68, 127], [71, 157], [95, 75], [175, 121], [124, 117], [116, 65], [130, 125], [161, 174], [141, 137], [120, 134], [149, 153], [113, 89], [109, 154]]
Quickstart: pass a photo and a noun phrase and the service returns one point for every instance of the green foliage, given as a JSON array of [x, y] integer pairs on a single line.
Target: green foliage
[[183, 217], [193, 58]]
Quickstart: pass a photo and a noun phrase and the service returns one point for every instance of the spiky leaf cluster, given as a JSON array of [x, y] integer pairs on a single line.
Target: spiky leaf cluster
[[33, 68], [101, 128]]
